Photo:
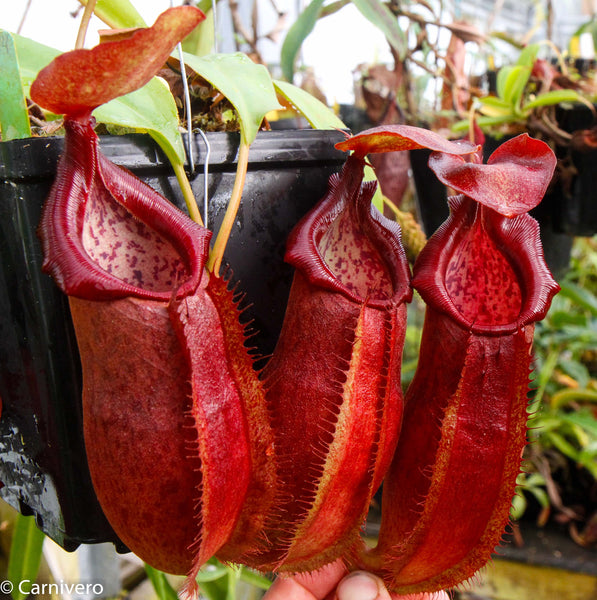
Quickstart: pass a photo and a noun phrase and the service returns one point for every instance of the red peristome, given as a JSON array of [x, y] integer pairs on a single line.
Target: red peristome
[[345, 245], [76, 82], [448, 492], [332, 384], [393, 138], [105, 234], [513, 181], [484, 270]]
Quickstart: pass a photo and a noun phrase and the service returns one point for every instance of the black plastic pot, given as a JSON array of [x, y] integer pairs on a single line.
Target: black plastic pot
[[578, 186], [43, 468]]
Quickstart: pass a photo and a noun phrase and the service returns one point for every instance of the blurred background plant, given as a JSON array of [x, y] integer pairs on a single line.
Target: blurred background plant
[[563, 423]]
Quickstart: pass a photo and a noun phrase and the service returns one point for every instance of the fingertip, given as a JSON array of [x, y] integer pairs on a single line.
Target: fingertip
[[361, 585]]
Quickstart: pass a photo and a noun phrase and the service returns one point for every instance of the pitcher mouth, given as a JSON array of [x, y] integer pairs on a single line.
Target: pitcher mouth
[[108, 235], [345, 245], [478, 242]]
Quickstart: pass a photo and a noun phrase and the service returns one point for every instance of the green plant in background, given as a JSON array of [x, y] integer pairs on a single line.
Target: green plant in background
[[14, 119], [420, 60], [563, 423], [217, 582], [532, 484], [376, 12], [518, 96], [25, 555], [589, 27]]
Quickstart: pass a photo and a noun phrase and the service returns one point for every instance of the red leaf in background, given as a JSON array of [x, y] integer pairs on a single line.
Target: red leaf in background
[[76, 82]]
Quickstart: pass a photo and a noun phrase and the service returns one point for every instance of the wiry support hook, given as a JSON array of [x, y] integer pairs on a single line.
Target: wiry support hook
[[187, 108], [205, 177]]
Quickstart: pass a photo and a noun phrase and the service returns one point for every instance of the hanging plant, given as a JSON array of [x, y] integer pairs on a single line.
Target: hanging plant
[[193, 452]]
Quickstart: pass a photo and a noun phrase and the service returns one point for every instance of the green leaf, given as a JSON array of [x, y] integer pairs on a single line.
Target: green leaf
[[255, 579], [296, 35], [488, 122], [33, 57], [581, 296], [334, 7], [378, 13], [160, 583], [540, 495], [215, 588], [577, 370], [25, 555], [562, 445], [501, 78], [559, 318], [211, 573], [14, 118], [377, 200], [201, 40], [514, 84], [584, 419], [151, 110], [552, 97], [528, 55], [519, 506], [317, 113], [248, 86], [117, 14], [493, 106]]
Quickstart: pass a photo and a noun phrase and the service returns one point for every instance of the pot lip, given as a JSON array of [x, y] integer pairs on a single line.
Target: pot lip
[[37, 157]]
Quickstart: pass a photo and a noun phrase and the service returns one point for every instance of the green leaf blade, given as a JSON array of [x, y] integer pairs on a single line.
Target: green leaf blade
[[317, 113], [493, 106], [552, 97], [514, 85], [579, 295], [33, 57], [378, 13], [528, 55], [296, 35], [248, 86], [151, 110], [25, 555], [14, 118], [201, 40], [118, 14], [160, 584]]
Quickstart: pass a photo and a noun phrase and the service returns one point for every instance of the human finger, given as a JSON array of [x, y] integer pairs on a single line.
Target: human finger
[[307, 586]]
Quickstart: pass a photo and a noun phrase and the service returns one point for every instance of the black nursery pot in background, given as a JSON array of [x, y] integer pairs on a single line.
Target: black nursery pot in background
[[578, 184], [43, 468]]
